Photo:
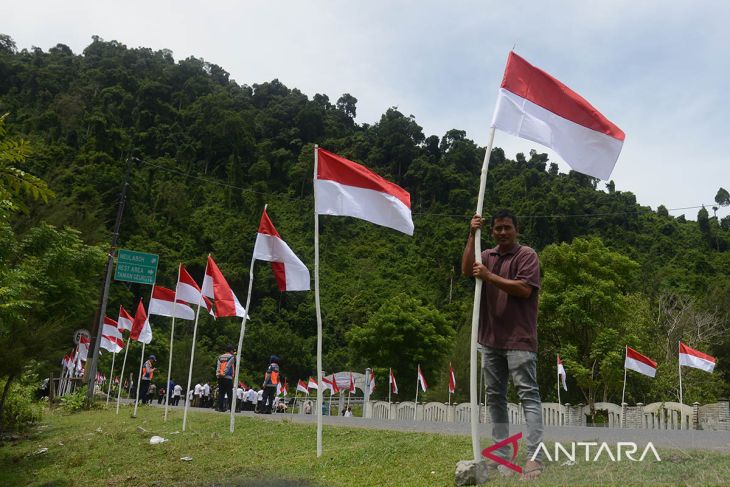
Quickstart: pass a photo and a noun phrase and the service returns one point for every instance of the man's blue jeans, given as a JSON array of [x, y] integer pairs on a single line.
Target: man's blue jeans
[[521, 365]]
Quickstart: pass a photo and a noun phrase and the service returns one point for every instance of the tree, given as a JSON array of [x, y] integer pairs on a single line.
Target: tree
[[400, 335], [722, 198]]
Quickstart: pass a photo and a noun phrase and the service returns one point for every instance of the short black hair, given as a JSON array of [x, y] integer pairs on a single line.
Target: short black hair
[[504, 213], [230, 348]]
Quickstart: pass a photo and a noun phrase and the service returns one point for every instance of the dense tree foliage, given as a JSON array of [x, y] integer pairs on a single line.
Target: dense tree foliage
[[208, 153]]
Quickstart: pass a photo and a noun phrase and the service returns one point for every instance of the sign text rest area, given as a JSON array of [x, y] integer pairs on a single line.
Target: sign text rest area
[[137, 267]]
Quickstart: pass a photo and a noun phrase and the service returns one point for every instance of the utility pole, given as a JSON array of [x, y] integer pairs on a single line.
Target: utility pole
[[107, 282]]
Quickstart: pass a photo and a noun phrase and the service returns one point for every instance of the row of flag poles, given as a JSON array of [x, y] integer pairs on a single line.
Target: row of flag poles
[[688, 357], [531, 104]]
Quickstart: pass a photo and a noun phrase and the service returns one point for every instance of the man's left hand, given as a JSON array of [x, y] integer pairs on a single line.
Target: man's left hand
[[481, 271]]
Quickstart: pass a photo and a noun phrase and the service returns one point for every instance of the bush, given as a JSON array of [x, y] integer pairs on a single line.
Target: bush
[[76, 401], [20, 409]]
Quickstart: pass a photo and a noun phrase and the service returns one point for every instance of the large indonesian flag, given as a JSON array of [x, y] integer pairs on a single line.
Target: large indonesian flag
[[162, 302], [392, 383], [535, 106], [561, 374], [694, 358], [216, 287], [452, 380], [125, 320], [422, 379], [302, 387], [330, 384], [290, 272], [312, 384], [141, 329], [640, 363], [345, 188], [188, 291]]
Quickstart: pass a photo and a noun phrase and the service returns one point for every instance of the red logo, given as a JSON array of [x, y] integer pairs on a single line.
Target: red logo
[[487, 452]]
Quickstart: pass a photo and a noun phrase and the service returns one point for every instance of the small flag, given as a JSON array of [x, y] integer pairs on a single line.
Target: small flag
[[639, 363], [216, 287], [302, 387], [392, 383], [561, 373], [125, 320], [372, 382], [535, 106], [330, 384], [291, 274], [452, 380], [312, 384], [345, 188], [690, 357], [422, 379], [352, 384], [141, 329], [187, 290], [162, 301]]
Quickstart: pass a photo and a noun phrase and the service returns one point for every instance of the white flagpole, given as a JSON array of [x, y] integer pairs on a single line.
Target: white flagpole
[[192, 355], [318, 307], [623, 393], [240, 342], [121, 374], [172, 334], [415, 407], [111, 374], [475, 311], [679, 365]]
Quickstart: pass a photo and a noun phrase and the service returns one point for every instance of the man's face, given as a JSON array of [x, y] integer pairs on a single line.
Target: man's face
[[504, 232]]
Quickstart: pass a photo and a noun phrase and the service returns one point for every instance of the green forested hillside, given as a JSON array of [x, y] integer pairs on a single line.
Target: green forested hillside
[[207, 153]]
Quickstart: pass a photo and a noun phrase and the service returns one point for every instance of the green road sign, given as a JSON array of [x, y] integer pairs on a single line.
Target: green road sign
[[136, 267]]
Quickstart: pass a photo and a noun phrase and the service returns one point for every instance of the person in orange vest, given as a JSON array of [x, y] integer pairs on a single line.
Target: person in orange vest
[[148, 371], [224, 372], [271, 382]]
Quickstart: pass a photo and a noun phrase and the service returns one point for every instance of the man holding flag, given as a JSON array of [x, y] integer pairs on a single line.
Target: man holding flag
[[508, 327]]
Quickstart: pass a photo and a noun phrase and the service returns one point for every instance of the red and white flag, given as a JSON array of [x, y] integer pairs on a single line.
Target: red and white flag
[[372, 382], [282, 389], [422, 380], [111, 336], [141, 329], [562, 374], [639, 363], [352, 385], [302, 387], [694, 358], [452, 380], [162, 301], [188, 291], [392, 383], [312, 384], [291, 274], [330, 384], [216, 287], [345, 188], [535, 106], [125, 320], [83, 350]]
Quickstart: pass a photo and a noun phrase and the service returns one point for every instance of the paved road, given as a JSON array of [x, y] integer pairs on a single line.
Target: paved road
[[681, 440]]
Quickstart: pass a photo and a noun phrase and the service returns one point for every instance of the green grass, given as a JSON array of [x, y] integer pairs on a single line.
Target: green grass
[[80, 455]]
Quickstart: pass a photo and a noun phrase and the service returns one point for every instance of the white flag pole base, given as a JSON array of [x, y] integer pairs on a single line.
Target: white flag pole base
[[139, 380], [121, 374], [234, 392]]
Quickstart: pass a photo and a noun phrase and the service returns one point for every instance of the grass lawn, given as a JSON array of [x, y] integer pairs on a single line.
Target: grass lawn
[[100, 448]]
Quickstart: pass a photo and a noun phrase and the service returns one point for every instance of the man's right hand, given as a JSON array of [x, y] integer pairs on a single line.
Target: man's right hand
[[477, 222]]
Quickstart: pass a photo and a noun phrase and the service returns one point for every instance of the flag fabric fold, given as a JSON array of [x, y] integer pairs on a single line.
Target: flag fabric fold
[[533, 105], [125, 320], [162, 303], [690, 357], [639, 363], [312, 384], [290, 272], [216, 287], [346, 188], [141, 329], [330, 384], [302, 387], [562, 374], [422, 380], [452, 380], [372, 382], [392, 383]]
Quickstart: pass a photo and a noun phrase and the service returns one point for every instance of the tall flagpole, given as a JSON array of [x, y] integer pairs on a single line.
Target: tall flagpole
[[192, 355], [415, 407], [390, 388], [475, 312], [679, 365], [623, 393], [317, 305], [121, 374], [172, 335], [240, 342], [141, 361], [111, 375]]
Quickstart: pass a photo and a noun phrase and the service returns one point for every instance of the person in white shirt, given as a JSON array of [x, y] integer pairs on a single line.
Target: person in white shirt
[[239, 399], [176, 393], [206, 395], [198, 395], [250, 400], [348, 412], [190, 396]]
